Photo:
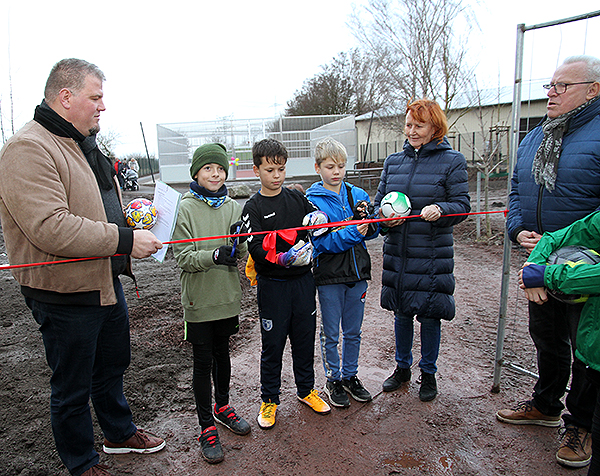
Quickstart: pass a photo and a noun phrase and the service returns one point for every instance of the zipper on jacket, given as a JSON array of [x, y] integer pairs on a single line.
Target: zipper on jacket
[[404, 231], [355, 264], [539, 210]]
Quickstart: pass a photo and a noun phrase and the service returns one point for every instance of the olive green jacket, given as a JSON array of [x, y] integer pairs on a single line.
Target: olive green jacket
[[208, 291]]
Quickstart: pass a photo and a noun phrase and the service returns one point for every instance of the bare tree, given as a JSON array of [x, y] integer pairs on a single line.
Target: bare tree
[[351, 84], [107, 141], [493, 133], [326, 93], [416, 43]]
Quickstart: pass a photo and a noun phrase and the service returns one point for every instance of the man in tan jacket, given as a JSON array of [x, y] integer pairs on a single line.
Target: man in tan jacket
[[59, 200]]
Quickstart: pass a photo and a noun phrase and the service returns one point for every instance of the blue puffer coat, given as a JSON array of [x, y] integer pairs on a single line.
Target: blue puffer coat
[[577, 187], [418, 256]]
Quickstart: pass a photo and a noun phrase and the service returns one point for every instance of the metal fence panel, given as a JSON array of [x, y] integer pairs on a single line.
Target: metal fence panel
[[299, 134]]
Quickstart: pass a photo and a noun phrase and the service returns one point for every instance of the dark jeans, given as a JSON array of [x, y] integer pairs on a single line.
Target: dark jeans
[[88, 350], [553, 328], [594, 469], [287, 308], [431, 332]]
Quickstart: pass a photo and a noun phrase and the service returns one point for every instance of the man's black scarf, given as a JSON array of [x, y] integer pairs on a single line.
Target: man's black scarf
[[99, 163]]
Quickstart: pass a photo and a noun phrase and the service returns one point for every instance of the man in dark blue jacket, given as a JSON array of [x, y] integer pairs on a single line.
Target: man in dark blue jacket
[[556, 182]]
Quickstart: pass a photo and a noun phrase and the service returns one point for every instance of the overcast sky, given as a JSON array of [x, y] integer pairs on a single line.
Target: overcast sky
[[200, 61]]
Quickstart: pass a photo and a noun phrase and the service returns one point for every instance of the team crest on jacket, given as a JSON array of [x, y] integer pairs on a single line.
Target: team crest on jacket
[[267, 324]]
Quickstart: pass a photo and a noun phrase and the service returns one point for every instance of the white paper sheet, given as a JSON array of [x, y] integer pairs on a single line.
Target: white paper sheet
[[166, 201]]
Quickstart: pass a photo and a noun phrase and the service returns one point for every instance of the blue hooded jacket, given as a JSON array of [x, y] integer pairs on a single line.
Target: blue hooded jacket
[[418, 256], [340, 256]]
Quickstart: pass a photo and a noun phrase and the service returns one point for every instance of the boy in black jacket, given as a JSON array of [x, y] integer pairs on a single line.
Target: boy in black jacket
[[286, 287]]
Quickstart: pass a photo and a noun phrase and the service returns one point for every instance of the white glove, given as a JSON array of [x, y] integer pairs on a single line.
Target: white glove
[[316, 218], [298, 255]]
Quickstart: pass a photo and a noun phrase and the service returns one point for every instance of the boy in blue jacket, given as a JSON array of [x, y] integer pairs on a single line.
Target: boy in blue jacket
[[341, 269]]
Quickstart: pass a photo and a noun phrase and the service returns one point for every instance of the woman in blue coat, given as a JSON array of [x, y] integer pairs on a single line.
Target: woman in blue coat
[[418, 254]]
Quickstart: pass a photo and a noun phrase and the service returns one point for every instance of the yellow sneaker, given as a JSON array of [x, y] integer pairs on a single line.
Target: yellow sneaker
[[315, 402], [266, 415]]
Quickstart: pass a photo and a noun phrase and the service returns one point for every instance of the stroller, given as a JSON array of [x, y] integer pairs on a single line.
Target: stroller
[[130, 180]]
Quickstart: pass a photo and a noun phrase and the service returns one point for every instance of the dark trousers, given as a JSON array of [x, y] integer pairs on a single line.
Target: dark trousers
[[553, 328], [211, 359], [287, 308], [88, 350], [594, 469]]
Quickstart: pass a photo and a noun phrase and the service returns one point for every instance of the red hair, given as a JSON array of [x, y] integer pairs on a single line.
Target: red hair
[[425, 110]]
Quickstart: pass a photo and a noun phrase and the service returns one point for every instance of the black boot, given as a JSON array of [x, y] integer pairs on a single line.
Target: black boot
[[394, 381], [428, 390]]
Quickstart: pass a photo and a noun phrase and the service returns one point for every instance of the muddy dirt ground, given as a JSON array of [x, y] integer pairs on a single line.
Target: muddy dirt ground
[[456, 434]]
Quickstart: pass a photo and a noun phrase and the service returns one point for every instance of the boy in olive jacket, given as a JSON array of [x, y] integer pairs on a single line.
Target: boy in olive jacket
[[210, 290]]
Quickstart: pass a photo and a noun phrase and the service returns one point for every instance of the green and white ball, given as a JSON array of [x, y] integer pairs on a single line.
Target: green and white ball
[[395, 202]]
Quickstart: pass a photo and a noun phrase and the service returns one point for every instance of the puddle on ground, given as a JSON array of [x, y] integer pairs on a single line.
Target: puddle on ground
[[405, 461], [410, 461]]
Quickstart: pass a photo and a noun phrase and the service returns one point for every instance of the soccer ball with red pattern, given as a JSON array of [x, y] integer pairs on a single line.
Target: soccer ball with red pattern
[[140, 213]]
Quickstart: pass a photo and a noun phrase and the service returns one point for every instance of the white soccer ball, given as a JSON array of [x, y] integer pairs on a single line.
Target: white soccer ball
[[141, 213], [395, 202]]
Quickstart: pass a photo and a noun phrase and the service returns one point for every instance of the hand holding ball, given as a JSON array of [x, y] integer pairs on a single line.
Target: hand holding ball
[[572, 256], [140, 213], [395, 203]]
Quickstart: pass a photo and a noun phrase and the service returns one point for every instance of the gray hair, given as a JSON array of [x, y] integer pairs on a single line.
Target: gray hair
[[69, 73], [329, 148], [592, 70]]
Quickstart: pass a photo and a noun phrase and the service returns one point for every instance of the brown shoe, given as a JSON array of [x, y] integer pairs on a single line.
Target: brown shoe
[[576, 448], [97, 470], [140, 442], [526, 414]]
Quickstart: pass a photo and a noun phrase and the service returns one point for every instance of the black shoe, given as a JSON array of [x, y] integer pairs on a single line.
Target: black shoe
[[394, 381], [355, 388], [226, 416], [211, 446], [428, 390], [337, 395]]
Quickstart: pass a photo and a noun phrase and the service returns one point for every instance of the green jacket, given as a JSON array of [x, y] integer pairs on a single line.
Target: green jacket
[[208, 291], [582, 279]]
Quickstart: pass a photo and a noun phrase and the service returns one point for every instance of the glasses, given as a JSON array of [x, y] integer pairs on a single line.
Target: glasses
[[561, 88]]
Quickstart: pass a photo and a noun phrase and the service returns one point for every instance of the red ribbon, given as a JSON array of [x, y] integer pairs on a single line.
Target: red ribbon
[[270, 242]]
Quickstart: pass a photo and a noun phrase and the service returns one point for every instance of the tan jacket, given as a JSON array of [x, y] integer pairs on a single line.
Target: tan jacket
[[51, 209]]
